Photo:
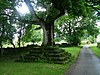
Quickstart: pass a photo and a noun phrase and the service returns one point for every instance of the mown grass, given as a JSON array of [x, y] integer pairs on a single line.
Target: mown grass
[[75, 52], [95, 50], [8, 67]]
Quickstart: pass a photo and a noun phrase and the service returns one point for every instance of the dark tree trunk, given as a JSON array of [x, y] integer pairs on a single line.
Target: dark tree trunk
[[52, 34], [75, 40], [19, 41], [19, 37], [69, 27], [48, 34], [70, 33], [2, 51], [12, 44]]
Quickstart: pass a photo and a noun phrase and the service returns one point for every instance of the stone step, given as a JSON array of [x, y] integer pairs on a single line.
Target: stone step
[[53, 55], [57, 58], [58, 54], [35, 55], [58, 50], [30, 57], [59, 62]]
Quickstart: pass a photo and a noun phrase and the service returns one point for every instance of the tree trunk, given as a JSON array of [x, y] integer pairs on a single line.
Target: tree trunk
[[48, 34], [19, 41], [69, 27], [70, 33], [52, 34], [12, 44], [2, 51]]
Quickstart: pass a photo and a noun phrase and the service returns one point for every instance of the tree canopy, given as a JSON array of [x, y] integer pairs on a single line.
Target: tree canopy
[[50, 11]]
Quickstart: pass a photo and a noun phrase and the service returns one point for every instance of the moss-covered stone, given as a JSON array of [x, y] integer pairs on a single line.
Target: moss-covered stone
[[47, 54]]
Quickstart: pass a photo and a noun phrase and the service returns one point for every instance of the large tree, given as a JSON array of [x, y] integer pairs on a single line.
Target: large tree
[[53, 10]]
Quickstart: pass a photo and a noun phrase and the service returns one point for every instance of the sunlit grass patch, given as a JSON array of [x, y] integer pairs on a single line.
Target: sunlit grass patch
[[96, 50], [73, 50]]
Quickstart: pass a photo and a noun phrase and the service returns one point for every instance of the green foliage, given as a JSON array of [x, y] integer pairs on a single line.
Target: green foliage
[[53, 10], [73, 29], [79, 8], [90, 39], [68, 28], [7, 28], [73, 7], [4, 4], [31, 34], [90, 28]]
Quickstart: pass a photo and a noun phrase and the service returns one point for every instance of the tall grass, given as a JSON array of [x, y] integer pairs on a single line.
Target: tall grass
[[8, 67]]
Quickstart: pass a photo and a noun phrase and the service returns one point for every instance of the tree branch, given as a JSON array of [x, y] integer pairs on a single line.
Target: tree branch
[[32, 11], [35, 19], [92, 6], [4, 14], [94, 2], [60, 14], [31, 22]]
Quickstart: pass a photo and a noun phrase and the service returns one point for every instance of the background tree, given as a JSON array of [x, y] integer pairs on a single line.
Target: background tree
[[32, 34], [7, 29], [72, 29]]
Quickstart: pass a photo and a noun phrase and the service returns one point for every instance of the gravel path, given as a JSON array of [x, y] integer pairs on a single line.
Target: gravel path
[[87, 64]]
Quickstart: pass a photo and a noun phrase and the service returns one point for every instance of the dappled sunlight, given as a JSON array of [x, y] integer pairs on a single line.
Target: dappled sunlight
[[22, 8], [98, 38]]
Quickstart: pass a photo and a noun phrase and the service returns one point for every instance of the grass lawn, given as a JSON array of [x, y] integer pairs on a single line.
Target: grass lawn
[[96, 50], [8, 67]]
